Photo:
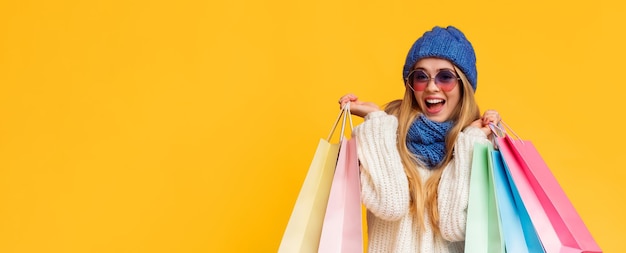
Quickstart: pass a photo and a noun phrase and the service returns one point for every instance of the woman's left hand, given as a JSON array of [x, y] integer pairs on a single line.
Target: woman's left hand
[[490, 116]]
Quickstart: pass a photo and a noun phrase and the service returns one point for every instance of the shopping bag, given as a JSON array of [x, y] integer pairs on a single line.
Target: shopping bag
[[556, 222], [483, 232], [304, 228], [342, 231], [512, 216]]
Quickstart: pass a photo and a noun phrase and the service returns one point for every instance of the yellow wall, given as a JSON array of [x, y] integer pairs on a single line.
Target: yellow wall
[[188, 126]]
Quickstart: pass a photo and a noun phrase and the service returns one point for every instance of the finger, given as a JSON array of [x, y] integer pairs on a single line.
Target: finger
[[491, 115], [491, 112], [347, 97], [342, 100], [343, 103]]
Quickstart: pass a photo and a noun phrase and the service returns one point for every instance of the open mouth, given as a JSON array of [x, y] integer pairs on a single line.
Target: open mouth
[[434, 105]]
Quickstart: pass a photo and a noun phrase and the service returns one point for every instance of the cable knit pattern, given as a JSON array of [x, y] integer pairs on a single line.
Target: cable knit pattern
[[427, 140], [385, 190]]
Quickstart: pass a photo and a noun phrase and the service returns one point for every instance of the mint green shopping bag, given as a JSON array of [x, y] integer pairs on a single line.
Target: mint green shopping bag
[[483, 232]]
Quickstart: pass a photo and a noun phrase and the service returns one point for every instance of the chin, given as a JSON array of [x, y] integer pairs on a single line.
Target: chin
[[438, 117]]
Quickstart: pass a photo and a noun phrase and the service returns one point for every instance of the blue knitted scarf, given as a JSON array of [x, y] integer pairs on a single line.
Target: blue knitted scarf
[[426, 139]]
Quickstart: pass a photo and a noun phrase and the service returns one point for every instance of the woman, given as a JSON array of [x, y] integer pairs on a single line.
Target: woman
[[416, 155]]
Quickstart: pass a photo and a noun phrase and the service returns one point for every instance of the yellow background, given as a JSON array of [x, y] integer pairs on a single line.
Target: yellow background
[[188, 126]]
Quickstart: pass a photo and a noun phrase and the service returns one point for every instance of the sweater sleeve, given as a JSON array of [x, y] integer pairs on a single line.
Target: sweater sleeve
[[385, 188], [453, 193]]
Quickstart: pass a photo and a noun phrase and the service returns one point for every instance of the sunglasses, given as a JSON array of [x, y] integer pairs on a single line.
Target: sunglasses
[[445, 79]]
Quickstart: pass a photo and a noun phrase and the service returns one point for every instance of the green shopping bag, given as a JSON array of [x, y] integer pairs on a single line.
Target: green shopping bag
[[483, 232]]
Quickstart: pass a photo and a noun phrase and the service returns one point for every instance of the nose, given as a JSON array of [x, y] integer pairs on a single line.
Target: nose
[[432, 86]]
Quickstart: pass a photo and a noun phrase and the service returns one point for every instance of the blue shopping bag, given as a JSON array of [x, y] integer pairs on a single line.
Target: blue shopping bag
[[518, 231]]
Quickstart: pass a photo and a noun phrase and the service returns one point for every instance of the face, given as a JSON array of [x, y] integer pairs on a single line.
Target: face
[[437, 89]]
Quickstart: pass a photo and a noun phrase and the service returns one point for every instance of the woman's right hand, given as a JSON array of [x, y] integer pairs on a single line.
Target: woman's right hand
[[357, 107]]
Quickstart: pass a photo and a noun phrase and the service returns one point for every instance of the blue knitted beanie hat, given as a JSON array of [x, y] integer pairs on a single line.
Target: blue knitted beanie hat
[[448, 43]]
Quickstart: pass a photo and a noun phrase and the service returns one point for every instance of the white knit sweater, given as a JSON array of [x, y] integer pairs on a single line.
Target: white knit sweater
[[385, 190]]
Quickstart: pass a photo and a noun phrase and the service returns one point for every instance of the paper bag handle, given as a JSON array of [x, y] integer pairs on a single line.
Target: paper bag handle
[[500, 132], [345, 111]]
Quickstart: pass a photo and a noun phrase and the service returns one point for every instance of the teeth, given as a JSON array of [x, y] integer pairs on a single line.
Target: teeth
[[434, 101]]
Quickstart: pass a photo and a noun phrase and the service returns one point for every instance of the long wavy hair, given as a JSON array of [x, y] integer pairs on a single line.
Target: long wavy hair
[[424, 196]]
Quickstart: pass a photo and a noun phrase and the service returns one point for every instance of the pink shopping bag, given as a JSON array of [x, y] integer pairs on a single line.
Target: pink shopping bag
[[558, 225], [342, 229]]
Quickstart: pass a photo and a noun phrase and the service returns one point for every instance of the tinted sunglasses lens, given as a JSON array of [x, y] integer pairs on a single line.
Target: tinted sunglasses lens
[[446, 80], [445, 76], [419, 80]]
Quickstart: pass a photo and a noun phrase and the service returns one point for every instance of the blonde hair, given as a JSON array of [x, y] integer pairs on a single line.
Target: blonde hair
[[424, 197]]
